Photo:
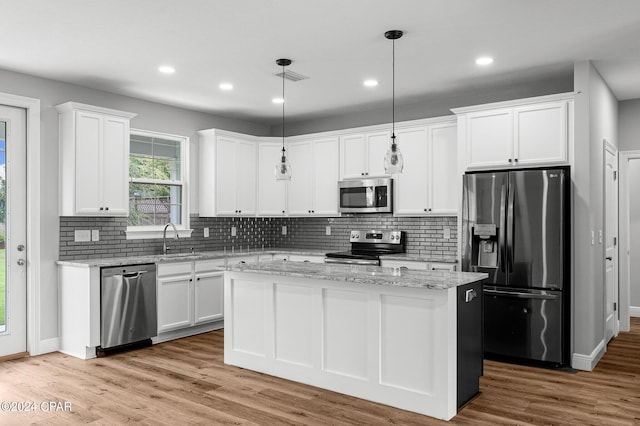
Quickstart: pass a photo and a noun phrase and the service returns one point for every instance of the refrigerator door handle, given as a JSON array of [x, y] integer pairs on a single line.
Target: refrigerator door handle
[[501, 234], [520, 295], [510, 226]]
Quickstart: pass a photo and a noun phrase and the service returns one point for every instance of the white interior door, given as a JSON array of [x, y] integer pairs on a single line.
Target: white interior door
[[610, 240], [13, 203]]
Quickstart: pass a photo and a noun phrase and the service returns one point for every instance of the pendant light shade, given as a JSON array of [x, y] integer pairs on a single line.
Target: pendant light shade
[[283, 168], [393, 161]]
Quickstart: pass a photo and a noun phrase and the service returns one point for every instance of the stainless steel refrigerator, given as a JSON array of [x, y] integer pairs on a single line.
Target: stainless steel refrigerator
[[515, 227]]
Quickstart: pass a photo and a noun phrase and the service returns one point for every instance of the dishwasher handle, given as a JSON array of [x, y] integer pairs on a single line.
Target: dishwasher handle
[[133, 274]]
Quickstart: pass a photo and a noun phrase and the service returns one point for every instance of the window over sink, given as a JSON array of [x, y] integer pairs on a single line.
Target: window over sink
[[157, 184]]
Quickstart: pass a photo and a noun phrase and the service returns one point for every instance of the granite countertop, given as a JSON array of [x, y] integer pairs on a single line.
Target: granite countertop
[[418, 258], [362, 274], [181, 257]]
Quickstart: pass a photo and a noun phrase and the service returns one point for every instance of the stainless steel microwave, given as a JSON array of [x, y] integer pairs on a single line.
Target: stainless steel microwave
[[365, 195]]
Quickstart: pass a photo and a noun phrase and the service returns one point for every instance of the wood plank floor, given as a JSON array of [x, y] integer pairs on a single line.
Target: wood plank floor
[[186, 382]]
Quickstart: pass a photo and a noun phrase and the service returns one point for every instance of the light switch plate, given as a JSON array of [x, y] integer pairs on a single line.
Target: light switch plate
[[284, 230], [327, 230], [81, 235], [233, 231], [206, 232], [593, 237], [95, 235]]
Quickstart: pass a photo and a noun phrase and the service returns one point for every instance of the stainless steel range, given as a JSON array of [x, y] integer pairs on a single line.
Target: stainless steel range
[[368, 246]]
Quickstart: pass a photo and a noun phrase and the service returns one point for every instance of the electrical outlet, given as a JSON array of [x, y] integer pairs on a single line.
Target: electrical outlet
[[327, 230], [233, 231], [600, 236], [81, 235], [206, 232], [447, 233], [593, 237], [95, 235], [284, 230]]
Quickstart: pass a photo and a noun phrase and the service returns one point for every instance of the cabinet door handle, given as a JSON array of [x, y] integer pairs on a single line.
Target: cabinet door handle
[[106, 208], [516, 160], [101, 208], [282, 211], [198, 279], [510, 161]]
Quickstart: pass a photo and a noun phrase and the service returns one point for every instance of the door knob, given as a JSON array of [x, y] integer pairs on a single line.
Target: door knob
[[20, 247], [21, 262]]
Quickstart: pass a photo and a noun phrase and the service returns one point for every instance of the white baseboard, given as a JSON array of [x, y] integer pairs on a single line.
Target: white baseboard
[[46, 346], [588, 362], [186, 332], [634, 311]]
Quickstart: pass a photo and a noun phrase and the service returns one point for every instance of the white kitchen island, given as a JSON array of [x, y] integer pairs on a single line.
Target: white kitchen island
[[382, 334]]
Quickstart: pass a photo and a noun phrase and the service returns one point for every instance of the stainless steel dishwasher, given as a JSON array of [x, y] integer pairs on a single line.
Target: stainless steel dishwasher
[[128, 307]]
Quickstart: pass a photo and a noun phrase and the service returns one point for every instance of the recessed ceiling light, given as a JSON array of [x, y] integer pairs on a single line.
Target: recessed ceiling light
[[484, 60], [166, 69], [226, 86], [371, 83], [277, 100]]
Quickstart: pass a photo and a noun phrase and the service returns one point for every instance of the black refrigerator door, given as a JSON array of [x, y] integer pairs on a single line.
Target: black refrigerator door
[[523, 324], [484, 200], [536, 228]]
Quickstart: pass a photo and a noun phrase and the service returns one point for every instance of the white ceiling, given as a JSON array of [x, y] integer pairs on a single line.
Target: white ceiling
[[117, 45]]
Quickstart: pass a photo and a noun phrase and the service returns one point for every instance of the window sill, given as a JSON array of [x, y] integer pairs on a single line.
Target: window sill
[[139, 234]]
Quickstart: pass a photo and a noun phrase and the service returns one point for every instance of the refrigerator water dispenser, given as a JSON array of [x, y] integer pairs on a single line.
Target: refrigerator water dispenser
[[485, 245]]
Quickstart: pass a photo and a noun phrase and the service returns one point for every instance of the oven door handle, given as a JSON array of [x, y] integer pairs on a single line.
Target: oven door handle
[[350, 261]]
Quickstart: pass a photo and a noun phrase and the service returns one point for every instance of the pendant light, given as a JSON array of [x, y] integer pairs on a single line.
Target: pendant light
[[393, 161], [283, 168]]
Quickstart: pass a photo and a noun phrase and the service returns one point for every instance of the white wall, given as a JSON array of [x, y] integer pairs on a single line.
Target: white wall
[[629, 125], [629, 128], [435, 106], [151, 116], [634, 231], [596, 119]]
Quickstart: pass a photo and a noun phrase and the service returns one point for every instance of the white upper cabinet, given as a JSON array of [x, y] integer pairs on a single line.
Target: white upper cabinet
[[228, 174], [362, 154], [94, 160], [528, 132], [272, 194], [428, 184], [313, 186], [540, 133]]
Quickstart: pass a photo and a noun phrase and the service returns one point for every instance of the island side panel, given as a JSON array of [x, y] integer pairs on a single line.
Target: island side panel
[[393, 345], [79, 306]]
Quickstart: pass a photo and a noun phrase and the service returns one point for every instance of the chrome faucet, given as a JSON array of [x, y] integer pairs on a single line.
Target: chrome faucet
[[164, 237]]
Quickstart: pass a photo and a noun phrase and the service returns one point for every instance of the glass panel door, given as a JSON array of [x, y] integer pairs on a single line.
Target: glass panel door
[[3, 203], [13, 252]]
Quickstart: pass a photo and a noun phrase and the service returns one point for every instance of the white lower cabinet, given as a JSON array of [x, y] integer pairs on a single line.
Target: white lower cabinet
[[189, 293]]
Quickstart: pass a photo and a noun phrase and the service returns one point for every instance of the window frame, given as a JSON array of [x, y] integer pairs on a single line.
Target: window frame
[[156, 231]]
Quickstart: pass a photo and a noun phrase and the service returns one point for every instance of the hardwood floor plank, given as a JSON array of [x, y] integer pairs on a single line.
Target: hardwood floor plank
[[186, 382]]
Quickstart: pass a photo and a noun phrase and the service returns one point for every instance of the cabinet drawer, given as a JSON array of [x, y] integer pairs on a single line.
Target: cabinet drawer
[[179, 268], [209, 265]]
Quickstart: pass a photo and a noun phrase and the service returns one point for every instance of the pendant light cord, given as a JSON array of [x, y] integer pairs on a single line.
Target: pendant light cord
[[393, 91], [283, 110]]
